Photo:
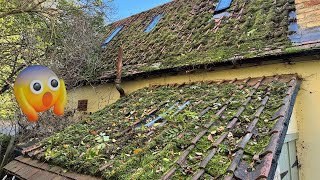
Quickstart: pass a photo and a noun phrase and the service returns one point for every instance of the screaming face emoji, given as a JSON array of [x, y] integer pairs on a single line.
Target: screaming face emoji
[[37, 89]]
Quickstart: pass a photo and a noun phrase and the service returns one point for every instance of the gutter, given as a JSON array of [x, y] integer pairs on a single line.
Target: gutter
[[308, 51], [284, 131]]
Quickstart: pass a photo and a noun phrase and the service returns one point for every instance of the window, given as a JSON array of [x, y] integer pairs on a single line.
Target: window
[[82, 105], [288, 163], [293, 27], [294, 34], [292, 15], [153, 23], [222, 5], [113, 34]]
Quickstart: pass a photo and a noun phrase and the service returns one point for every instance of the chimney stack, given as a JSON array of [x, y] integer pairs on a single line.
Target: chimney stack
[[308, 13]]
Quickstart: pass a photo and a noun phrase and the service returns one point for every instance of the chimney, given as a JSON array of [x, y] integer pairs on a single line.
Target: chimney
[[308, 13], [119, 72]]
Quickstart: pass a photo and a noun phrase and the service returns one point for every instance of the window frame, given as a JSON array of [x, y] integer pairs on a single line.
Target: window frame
[[82, 105], [155, 20], [113, 34], [221, 6]]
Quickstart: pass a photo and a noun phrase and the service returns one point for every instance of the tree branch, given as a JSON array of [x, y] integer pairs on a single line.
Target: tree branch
[[19, 11]]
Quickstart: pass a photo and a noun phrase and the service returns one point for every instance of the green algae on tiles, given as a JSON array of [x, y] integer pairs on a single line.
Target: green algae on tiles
[[149, 153], [218, 165], [188, 35]]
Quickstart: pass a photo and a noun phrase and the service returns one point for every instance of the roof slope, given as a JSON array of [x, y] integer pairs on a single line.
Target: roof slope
[[188, 34], [222, 130]]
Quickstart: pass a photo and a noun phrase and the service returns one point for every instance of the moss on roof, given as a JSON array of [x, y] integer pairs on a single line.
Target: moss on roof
[[112, 144], [187, 34]]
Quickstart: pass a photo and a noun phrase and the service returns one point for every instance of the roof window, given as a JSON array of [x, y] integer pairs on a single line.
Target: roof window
[[113, 34], [222, 5], [153, 23]]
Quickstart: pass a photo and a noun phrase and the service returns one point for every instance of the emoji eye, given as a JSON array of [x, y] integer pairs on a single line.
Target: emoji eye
[[53, 83], [36, 87]]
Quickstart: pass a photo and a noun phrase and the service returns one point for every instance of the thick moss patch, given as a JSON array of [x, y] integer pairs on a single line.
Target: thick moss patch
[[102, 145], [187, 34]]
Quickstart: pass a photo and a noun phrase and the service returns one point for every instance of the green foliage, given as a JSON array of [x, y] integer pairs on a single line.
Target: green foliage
[[48, 33], [219, 163], [4, 143], [8, 106]]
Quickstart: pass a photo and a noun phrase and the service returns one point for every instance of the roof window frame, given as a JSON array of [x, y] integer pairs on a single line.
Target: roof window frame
[[112, 35], [155, 20], [222, 6]]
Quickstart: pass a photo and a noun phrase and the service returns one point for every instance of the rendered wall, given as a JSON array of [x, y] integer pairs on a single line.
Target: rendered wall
[[305, 118]]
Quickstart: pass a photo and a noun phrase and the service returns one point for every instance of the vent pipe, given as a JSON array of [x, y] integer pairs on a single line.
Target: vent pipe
[[119, 72]]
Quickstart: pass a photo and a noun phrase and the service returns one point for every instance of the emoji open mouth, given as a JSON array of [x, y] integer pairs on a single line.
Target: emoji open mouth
[[47, 99]]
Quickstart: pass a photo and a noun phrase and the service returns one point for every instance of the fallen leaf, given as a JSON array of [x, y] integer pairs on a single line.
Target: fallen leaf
[[230, 135], [181, 135], [106, 138], [256, 157], [137, 151], [166, 159], [99, 139], [94, 133], [101, 146], [210, 138], [112, 156], [213, 132], [159, 170], [220, 129]]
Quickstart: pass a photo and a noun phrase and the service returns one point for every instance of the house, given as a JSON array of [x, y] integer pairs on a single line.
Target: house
[[214, 89]]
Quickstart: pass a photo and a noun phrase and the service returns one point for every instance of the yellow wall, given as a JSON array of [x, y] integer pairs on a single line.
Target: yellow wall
[[306, 113]]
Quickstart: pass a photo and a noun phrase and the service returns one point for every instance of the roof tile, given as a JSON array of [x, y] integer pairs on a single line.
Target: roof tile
[[236, 161], [188, 34], [191, 142]]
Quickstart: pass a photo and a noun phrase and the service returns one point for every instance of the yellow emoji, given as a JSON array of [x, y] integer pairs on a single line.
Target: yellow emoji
[[37, 89]]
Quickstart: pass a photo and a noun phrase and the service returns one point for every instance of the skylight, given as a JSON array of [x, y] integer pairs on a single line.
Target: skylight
[[153, 23], [113, 34], [222, 5]]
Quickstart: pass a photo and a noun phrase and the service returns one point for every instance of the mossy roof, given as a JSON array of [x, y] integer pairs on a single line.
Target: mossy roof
[[227, 129], [187, 35]]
